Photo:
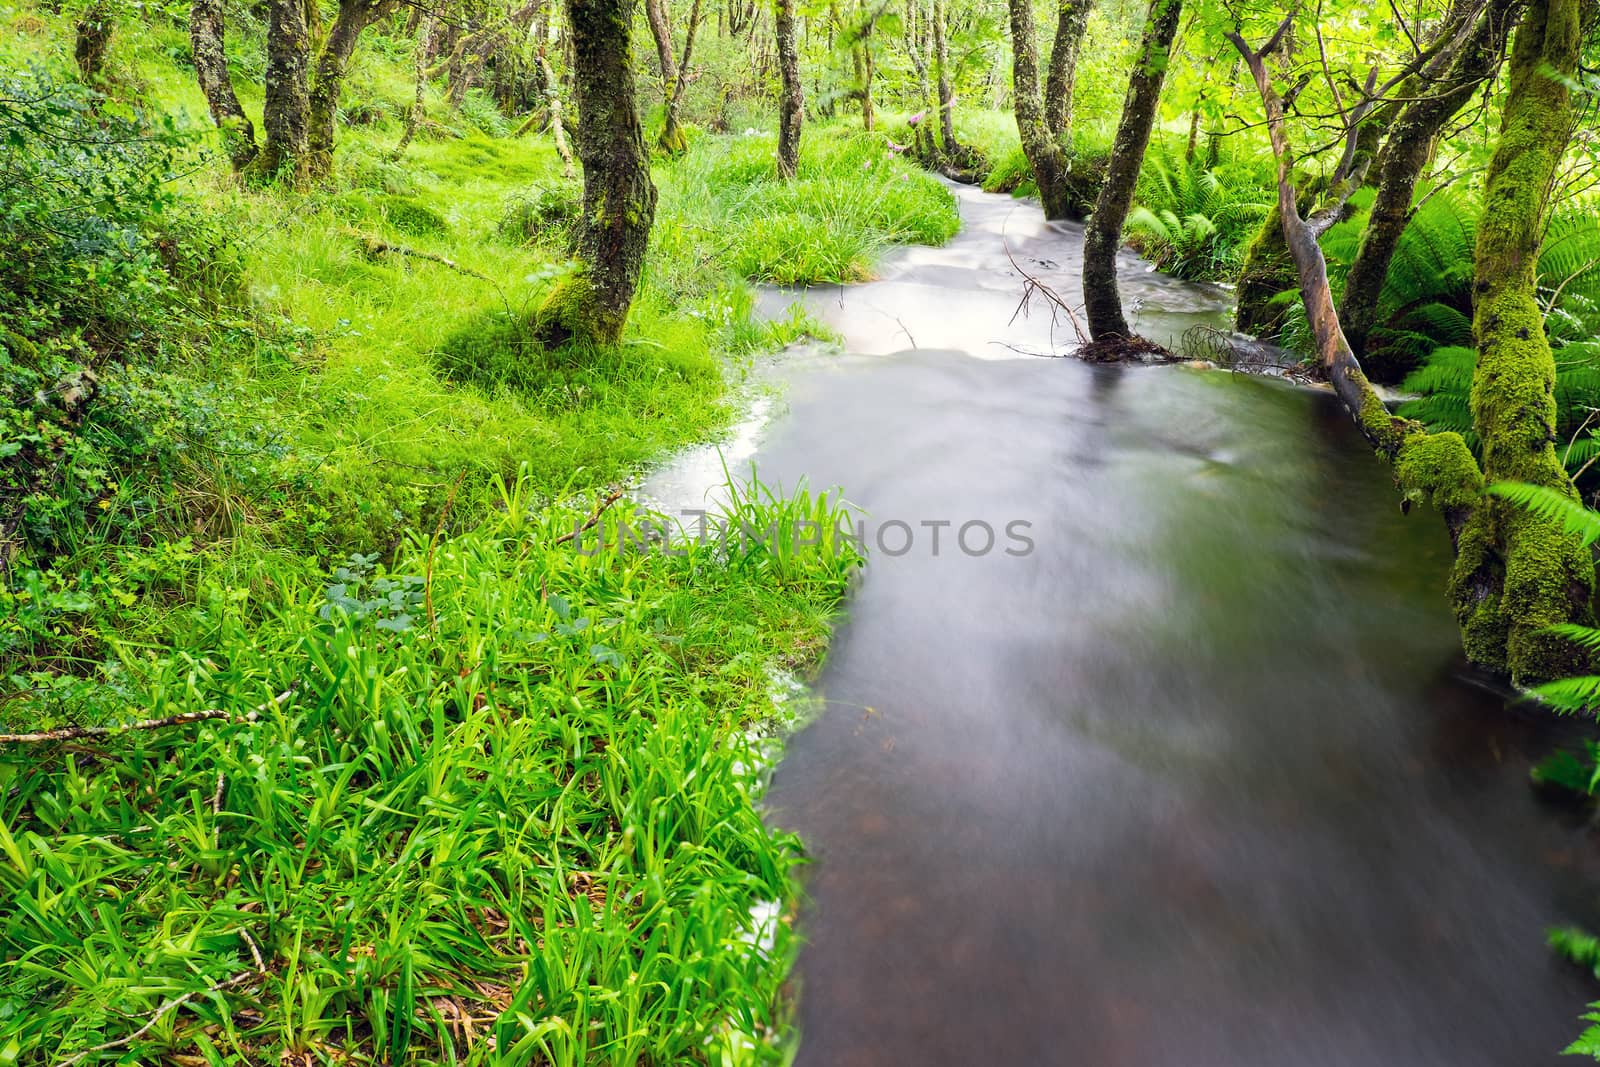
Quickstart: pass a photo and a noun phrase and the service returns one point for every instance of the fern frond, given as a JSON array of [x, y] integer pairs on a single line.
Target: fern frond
[[1571, 696], [1554, 506]]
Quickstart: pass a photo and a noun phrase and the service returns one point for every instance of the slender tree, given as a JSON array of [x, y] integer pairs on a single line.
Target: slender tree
[[674, 72], [1072, 19], [1412, 137], [791, 99], [328, 78], [1101, 300], [207, 34], [619, 199], [1047, 146], [953, 150]]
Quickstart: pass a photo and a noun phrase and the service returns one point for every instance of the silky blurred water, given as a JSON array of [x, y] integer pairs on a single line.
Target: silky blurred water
[[1198, 780]]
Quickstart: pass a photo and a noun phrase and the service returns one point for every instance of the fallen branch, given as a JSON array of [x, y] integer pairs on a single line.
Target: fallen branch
[[170, 1005], [594, 517], [377, 246], [72, 733]]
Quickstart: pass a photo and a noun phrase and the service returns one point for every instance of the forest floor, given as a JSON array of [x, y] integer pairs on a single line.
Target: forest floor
[[452, 788]]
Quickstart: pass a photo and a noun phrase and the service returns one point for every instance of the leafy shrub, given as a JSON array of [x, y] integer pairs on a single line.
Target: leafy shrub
[[548, 213]]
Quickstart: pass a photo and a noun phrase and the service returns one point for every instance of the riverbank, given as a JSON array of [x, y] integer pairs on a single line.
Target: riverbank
[[356, 749]]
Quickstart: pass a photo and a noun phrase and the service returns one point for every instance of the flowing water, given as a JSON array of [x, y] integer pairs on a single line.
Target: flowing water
[[1197, 780]]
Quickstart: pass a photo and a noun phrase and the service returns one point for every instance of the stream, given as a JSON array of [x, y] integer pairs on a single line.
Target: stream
[[1200, 778]]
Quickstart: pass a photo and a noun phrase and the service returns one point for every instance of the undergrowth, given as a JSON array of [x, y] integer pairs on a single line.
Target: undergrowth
[[492, 804]]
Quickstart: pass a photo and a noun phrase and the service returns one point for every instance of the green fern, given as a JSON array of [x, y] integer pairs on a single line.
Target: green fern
[[1192, 221], [1554, 506]]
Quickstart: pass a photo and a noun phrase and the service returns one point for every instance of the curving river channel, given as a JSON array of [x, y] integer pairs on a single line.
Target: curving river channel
[[1199, 779]]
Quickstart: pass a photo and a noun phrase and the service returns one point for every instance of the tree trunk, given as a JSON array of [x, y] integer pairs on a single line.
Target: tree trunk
[[1072, 19], [288, 92], [914, 31], [861, 56], [947, 97], [791, 101], [93, 39], [619, 200], [208, 34], [673, 73], [1101, 301], [1406, 151], [1044, 153], [558, 126], [354, 16], [420, 74], [1518, 574]]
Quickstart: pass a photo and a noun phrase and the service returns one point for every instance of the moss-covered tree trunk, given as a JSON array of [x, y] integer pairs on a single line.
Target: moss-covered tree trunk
[[288, 92], [673, 72], [619, 200], [1102, 303], [791, 96], [93, 40], [1043, 151], [1061, 79], [208, 36], [1517, 574], [1266, 271], [1406, 152], [861, 57], [328, 79]]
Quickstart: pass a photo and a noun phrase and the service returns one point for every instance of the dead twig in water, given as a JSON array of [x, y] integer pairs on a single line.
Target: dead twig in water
[[1032, 286]]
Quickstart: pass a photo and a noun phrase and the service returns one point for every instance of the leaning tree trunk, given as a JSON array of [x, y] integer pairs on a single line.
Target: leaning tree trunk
[[288, 92], [619, 200], [1407, 149], [1043, 151], [1518, 573], [1102, 303], [207, 34], [354, 16], [93, 39], [791, 100], [1515, 573], [1072, 19]]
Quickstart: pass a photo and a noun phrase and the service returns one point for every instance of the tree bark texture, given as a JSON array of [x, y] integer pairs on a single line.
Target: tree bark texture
[[1102, 238], [288, 92], [619, 199], [328, 78], [208, 35], [1517, 573], [791, 99], [1072, 19]]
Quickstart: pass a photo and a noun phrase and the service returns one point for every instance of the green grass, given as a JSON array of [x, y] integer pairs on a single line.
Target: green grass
[[351, 389], [507, 795]]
